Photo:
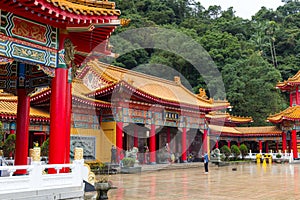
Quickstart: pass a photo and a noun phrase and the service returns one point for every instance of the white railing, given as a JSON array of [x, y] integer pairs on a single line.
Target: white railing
[[286, 156], [36, 179]]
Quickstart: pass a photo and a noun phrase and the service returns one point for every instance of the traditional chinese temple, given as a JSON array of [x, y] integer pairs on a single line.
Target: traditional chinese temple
[[289, 119], [112, 105], [53, 86]]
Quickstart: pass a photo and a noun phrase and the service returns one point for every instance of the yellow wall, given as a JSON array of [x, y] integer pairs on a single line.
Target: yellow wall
[[89, 132], [107, 139]]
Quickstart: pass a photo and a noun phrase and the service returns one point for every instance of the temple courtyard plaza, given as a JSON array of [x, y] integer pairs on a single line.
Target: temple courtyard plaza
[[249, 181]]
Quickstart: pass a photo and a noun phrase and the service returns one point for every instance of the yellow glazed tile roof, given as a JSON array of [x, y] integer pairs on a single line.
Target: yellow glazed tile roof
[[78, 90], [172, 91], [223, 129], [86, 7], [223, 115], [295, 80], [240, 131], [291, 113], [8, 106], [259, 130]]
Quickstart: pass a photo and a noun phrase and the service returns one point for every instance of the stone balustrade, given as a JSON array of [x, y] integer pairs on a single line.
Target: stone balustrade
[[37, 184]]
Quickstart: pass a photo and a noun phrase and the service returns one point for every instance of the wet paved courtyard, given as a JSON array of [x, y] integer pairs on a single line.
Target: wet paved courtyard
[[249, 181]]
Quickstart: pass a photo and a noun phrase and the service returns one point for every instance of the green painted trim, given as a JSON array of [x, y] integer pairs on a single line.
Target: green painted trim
[[62, 65]]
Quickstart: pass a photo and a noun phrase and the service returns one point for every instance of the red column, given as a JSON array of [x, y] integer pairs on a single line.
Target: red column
[[68, 120], [228, 144], [260, 145], [168, 135], [291, 99], [152, 144], [57, 143], [21, 151], [294, 143], [183, 143], [297, 95], [204, 141], [276, 146], [267, 146], [169, 139], [283, 141], [119, 140], [135, 141], [238, 144], [217, 144]]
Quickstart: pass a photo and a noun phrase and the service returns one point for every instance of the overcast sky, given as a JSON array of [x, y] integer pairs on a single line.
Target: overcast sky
[[243, 8]]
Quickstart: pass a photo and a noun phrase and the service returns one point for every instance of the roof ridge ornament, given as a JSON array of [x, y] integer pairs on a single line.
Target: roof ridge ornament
[[177, 80], [202, 93]]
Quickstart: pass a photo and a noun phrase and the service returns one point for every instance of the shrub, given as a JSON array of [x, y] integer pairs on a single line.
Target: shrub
[[243, 150], [45, 148], [128, 162], [235, 151], [9, 146], [278, 155], [226, 151]]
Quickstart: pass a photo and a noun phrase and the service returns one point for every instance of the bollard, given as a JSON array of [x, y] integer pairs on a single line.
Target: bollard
[[258, 156]]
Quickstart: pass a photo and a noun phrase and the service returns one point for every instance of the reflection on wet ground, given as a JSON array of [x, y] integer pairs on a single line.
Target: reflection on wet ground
[[249, 181]]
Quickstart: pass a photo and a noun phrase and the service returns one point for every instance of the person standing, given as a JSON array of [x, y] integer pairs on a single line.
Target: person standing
[[113, 154], [206, 163]]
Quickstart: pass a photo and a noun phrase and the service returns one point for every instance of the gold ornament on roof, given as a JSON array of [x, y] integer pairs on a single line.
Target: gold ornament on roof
[[124, 22], [202, 93]]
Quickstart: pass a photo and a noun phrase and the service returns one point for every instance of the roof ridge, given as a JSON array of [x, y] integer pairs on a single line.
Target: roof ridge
[[140, 74]]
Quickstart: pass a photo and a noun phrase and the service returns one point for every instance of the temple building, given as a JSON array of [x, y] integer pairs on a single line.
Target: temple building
[[54, 86], [115, 106], [289, 119]]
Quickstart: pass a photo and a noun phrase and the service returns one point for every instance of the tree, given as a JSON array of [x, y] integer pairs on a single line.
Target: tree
[[225, 151], [235, 151], [244, 150]]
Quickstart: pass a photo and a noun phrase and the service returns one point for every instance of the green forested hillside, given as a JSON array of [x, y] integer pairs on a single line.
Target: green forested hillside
[[252, 55]]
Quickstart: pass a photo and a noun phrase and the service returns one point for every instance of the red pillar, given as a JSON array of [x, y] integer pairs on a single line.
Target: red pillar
[[294, 143], [57, 143], [291, 99], [22, 134], [238, 144], [169, 139], [228, 144], [260, 146], [217, 144], [276, 146], [68, 120], [152, 144], [168, 135], [204, 141], [119, 141], [135, 141], [267, 146], [183, 143], [297, 95], [283, 141]]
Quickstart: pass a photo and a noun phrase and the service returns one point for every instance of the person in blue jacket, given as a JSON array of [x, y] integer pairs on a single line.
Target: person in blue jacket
[[206, 163]]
